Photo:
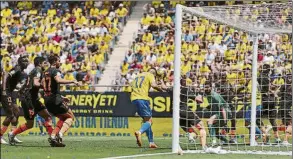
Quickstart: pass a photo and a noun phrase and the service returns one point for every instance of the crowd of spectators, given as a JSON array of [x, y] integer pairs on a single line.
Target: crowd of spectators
[[210, 51], [82, 34]]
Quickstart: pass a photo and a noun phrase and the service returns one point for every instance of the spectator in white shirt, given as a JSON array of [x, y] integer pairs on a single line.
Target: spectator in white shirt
[[84, 30], [222, 48], [269, 45], [151, 58], [63, 57], [112, 13], [94, 30], [129, 57], [14, 58], [210, 57], [67, 30], [122, 80], [98, 4], [2, 34], [130, 75], [214, 46], [148, 8], [59, 30], [269, 58], [4, 5], [248, 56], [103, 30]]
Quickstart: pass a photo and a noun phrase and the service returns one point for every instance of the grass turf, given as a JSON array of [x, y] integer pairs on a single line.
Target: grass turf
[[37, 147]]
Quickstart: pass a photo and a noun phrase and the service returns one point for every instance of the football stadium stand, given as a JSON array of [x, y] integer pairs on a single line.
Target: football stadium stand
[[83, 34], [108, 43], [210, 50]]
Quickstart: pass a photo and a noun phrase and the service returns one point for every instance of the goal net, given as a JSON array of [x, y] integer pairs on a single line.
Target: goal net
[[233, 79]]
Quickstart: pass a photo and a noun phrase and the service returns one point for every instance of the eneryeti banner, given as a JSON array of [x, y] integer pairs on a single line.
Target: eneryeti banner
[[114, 104], [118, 104]]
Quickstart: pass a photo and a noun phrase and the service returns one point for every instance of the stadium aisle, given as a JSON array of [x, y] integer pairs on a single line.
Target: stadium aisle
[[119, 51]]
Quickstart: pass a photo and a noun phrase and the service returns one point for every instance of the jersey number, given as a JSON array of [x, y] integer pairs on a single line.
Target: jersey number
[[139, 81], [47, 84]]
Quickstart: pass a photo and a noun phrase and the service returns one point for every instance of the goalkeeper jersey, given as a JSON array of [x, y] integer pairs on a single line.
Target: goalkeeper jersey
[[184, 95], [216, 101]]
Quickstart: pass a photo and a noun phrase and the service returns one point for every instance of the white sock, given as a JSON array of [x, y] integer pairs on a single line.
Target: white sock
[[60, 135]]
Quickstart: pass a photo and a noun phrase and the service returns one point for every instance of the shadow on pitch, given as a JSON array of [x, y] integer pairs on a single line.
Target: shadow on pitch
[[32, 145]]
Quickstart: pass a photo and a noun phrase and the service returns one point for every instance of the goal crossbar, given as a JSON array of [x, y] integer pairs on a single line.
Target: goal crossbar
[[240, 25]]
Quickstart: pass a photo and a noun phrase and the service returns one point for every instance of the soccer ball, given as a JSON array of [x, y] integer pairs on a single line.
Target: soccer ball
[[191, 137]]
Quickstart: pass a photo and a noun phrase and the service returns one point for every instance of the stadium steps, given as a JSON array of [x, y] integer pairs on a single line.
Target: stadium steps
[[112, 68]]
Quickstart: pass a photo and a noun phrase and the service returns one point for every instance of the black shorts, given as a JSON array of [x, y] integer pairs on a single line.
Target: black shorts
[[285, 106], [285, 111], [287, 118], [233, 110], [269, 107], [9, 104], [188, 118], [55, 104], [31, 103]]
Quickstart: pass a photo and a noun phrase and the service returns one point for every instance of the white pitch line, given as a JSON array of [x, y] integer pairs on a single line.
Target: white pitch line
[[141, 155]]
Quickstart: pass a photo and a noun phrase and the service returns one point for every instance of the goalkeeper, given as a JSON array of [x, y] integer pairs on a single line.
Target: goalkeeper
[[220, 113], [189, 120]]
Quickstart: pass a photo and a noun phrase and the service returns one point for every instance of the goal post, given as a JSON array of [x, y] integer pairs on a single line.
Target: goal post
[[177, 74], [256, 29], [253, 93]]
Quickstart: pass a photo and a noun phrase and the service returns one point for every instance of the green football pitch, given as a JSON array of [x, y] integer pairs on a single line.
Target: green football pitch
[[37, 147]]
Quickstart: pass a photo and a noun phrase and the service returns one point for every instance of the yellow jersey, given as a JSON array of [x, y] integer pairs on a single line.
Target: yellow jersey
[[141, 86], [258, 94]]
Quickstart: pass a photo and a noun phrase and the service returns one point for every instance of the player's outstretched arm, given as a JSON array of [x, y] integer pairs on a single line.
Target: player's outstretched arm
[[14, 71], [60, 80], [163, 85], [157, 87], [5, 75]]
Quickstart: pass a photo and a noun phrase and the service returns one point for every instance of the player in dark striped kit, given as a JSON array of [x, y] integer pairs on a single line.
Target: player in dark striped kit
[[12, 80], [30, 101], [189, 120], [55, 102]]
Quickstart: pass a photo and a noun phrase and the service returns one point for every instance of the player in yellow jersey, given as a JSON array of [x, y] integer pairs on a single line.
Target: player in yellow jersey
[[140, 98]]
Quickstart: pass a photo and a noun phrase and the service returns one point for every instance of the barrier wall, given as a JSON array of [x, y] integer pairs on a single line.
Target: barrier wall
[[107, 126], [118, 104]]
